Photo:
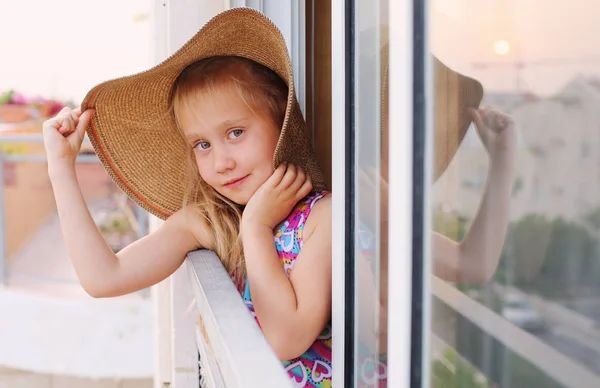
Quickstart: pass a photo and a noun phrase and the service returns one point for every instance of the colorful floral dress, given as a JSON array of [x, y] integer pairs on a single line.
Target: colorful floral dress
[[313, 368]]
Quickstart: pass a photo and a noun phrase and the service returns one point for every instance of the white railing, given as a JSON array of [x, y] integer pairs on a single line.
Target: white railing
[[233, 351], [555, 365]]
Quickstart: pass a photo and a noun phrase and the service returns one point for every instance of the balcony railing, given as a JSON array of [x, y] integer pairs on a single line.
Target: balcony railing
[[233, 351], [506, 354]]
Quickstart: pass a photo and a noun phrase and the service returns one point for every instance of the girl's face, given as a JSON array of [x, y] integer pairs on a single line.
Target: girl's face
[[233, 145]]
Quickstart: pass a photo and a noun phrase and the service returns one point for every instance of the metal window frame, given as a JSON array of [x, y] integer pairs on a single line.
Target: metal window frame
[[408, 308], [410, 132], [338, 184]]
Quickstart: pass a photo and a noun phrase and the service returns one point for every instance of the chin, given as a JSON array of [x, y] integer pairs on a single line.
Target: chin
[[238, 198]]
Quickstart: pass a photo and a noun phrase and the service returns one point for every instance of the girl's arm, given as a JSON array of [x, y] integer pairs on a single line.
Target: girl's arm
[[292, 312], [476, 257], [101, 272]]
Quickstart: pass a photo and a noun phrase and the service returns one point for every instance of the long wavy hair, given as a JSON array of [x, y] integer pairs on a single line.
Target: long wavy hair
[[265, 93]]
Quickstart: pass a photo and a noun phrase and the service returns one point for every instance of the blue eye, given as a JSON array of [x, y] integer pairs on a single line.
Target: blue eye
[[236, 133], [203, 145]]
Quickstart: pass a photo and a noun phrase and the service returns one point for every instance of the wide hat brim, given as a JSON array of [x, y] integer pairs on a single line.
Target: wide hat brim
[[453, 94], [135, 135]]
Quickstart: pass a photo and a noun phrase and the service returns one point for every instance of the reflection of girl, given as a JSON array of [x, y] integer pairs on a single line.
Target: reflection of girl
[[231, 115], [475, 258]]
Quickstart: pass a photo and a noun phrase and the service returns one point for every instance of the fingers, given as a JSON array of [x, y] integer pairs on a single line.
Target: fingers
[[66, 109], [304, 189], [67, 124], [278, 174], [492, 118], [501, 121], [68, 121], [64, 122], [480, 125], [83, 121], [289, 177], [476, 117], [292, 178], [300, 179], [76, 111]]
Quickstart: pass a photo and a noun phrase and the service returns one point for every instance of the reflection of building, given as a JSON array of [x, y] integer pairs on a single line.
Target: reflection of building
[[558, 167]]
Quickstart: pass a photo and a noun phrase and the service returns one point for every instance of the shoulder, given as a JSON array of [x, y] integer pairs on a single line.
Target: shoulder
[[189, 222], [319, 217], [322, 207]]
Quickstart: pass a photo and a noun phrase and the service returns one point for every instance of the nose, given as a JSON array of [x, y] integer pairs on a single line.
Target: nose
[[223, 160]]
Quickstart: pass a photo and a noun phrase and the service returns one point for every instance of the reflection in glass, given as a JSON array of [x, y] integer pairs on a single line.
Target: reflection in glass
[[534, 319], [371, 197]]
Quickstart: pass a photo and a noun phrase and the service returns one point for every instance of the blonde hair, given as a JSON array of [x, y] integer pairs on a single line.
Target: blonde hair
[[265, 93]]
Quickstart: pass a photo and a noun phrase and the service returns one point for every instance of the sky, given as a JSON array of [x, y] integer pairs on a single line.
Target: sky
[[551, 37], [62, 48]]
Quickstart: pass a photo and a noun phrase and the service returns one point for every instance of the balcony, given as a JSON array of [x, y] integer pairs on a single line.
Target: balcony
[[55, 333], [202, 333], [66, 337]]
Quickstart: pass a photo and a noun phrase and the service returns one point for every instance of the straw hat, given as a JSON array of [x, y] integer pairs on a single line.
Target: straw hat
[[453, 94], [136, 138], [135, 135]]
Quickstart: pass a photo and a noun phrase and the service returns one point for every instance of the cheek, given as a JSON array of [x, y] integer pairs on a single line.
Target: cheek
[[263, 156], [204, 172], [269, 145]]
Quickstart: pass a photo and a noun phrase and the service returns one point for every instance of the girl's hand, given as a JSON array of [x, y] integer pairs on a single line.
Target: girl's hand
[[63, 135], [496, 130], [276, 198]]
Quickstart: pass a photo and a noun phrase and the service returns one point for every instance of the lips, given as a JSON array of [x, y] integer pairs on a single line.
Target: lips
[[233, 183]]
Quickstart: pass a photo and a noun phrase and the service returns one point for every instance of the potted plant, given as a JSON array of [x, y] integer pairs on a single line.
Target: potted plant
[[16, 107]]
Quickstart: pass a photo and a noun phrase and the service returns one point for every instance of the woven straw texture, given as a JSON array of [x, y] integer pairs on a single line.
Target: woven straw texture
[[135, 134]]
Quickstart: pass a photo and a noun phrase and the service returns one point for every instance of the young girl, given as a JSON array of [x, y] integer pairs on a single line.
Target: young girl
[[232, 118]]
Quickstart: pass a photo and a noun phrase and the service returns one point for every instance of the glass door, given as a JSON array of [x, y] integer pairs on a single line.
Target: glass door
[[379, 126], [516, 206]]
